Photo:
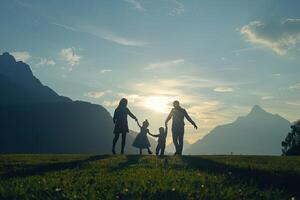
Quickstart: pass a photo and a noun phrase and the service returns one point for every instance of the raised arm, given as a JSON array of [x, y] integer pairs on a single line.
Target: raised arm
[[131, 115], [138, 123], [186, 115], [169, 116], [166, 128]]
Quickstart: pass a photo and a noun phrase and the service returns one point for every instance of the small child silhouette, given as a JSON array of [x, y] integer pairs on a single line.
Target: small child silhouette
[[161, 145], [141, 141]]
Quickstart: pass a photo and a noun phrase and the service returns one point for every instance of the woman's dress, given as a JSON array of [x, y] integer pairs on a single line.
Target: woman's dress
[[120, 120]]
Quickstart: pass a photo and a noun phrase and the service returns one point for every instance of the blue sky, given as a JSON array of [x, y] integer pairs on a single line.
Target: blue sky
[[219, 58]]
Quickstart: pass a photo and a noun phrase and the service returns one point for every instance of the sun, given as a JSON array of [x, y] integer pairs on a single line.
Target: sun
[[158, 103]]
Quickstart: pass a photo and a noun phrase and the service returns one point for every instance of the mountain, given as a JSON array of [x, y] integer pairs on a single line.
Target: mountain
[[259, 133], [35, 119], [18, 81]]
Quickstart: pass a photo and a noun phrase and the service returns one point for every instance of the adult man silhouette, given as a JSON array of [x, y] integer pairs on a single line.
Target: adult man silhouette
[[178, 114]]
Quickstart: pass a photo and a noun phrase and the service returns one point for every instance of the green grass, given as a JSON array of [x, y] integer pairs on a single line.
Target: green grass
[[148, 177]]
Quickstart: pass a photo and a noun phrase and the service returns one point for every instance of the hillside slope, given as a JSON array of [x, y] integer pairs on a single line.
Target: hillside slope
[[258, 133], [34, 118]]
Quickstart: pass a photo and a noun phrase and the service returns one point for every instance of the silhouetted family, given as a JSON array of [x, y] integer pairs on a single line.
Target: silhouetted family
[[177, 114]]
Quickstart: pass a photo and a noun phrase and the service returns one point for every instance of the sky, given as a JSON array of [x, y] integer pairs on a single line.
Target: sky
[[218, 58]]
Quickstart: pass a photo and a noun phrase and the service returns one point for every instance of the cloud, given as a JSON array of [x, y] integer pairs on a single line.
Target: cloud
[[64, 26], [21, 55], [223, 89], [137, 5], [165, 64], [105, 34], [206, 112], [280, 37], [267, 97], [110, 103], [295, 87], [275, 75], [178, 9], [113, 37], [95, 94], [70, 56], [45, 61], [105, 71], [293, 103]]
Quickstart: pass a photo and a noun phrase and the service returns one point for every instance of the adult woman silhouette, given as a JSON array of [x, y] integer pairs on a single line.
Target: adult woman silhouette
[[121, 124]]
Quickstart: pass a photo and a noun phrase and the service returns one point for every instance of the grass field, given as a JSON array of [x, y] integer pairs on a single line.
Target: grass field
[[148, 177]]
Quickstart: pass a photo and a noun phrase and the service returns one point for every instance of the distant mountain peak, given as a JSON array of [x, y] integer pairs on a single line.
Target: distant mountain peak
[[259, 132], [17, 78], [257, 110], [7, 57]]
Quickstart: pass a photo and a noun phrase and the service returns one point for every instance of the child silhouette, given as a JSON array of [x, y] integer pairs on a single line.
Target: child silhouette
[[141, 141], [161, 145]]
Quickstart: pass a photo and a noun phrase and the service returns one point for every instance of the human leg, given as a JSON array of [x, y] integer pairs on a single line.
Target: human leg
[[123, 142], [115, 140], [149, 150], [180, 140], [162, 149], [157, 149], [175, 141]]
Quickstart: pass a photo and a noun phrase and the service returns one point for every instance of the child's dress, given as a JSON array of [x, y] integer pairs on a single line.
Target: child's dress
[[141, 141]]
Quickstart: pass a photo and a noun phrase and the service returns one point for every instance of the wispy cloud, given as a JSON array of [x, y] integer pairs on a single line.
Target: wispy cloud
[[238, 51], [21, 55], [45, 61], [110, 103], [178, 9], [113, 37], [105, 34], [267, 97], [280, 37], [64, 26], [95, 94], [105, 71], [223, 89], [293, 103], [69, 55], [276, 75], [165, 64], [295, 87], [137, 5]]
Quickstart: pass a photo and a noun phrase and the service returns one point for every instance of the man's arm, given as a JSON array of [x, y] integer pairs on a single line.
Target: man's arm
[[190, 119], [169, 117]]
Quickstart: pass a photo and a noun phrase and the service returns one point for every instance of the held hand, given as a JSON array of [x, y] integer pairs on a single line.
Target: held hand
[[195, 126]]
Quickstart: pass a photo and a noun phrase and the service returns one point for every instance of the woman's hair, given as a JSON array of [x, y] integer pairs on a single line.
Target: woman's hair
[[123, 103]]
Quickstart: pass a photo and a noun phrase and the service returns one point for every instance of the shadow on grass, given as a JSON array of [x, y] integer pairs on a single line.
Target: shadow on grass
[[131, 160], [286, 181], [30, 170]]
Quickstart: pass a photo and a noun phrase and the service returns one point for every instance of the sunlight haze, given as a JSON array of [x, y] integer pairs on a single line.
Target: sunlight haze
[[218, 58]]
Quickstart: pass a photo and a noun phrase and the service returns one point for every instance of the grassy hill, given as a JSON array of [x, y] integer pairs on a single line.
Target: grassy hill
[[148, 177]]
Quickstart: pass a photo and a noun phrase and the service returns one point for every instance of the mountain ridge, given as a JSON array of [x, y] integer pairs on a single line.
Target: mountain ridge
[[258, 132], [35, 119]]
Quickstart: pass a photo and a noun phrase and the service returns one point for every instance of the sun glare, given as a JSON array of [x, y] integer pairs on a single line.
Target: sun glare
[[159, 103]]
